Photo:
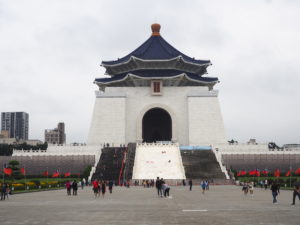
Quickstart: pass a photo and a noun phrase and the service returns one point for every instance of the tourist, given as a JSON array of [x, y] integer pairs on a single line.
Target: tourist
[[251, 188], [8, 191], [82, 184], [245, 188], [96, 187], [296, 192], [207, 185], [275, 191], [166, 189], [191, 184], [203, 186], [266, 184], [3, 191], [261, 184], [74, 187], [158, 185], [68, 186], [103, 188], [110, 186]]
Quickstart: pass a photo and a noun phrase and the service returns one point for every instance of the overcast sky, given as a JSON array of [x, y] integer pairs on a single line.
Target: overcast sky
[[50, 52]]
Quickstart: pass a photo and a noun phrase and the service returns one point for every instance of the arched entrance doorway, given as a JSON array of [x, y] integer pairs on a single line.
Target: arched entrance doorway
[[157, 125]]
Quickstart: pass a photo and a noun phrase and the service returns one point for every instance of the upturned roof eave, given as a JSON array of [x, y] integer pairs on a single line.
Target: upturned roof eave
[[132, 58], [157, 78], [131, 64]]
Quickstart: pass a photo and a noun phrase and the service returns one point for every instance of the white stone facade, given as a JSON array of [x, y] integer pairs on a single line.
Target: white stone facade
[[195, 113]]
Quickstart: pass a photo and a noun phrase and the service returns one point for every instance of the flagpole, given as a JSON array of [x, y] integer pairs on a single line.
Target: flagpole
[[3, 174], [290, 176], [25, 177], [47, 179]]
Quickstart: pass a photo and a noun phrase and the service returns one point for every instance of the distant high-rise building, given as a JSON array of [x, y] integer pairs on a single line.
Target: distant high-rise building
[[56, 135], [16, 123]]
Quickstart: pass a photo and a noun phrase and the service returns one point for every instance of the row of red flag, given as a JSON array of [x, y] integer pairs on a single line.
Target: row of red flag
[[265, 172], [8, 171]]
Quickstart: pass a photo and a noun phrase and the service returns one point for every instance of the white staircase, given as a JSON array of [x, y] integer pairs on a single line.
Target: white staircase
[[158, 160], [219, 159], [93, 170]]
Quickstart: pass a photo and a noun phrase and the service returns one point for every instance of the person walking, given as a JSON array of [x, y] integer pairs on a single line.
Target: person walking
[[245, 188], [203, 186], [251, 188], [68, 186], [191, 184], [110, 186], [275, 191], [103, 188], [3, 191], [96, 187], [207, 185], [74, 187], [266, 184], [296, 192], [158, 185], [8, 191]]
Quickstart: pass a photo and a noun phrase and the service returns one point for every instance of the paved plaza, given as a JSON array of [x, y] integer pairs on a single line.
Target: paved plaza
[[138, 205]]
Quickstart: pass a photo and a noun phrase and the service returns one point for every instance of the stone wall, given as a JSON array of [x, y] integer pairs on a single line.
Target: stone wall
[[195, 113]]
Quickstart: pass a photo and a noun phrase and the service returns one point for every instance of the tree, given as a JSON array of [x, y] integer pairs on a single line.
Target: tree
[[87, 171], [13, 164]]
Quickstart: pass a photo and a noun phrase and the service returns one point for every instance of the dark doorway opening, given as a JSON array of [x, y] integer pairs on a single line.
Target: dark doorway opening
[[157, 125]]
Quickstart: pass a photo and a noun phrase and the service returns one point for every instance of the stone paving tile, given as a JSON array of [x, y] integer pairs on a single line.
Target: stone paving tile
[[136, 205]]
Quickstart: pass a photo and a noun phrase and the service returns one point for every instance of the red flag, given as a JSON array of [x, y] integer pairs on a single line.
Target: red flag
[[56, 174], [277, 173], [258, 173], [23, 171], [288, 173], [46, 173], [297, 171], [67, 174], [7, 171], [265, 172], [252, 172], [241, 173]]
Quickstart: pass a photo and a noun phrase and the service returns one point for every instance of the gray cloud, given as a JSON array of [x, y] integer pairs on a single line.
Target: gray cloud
[[50, 52]]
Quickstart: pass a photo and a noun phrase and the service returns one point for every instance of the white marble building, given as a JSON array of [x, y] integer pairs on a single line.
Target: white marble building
[[156, 93]]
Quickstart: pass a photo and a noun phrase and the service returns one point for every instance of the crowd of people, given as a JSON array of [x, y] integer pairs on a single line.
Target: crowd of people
[[72, 186], [163, 189], [248, 187], [5, 191], [99, 187]]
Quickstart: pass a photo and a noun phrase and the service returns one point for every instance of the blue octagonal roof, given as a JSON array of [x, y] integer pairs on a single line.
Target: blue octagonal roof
[[155, 48]]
